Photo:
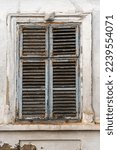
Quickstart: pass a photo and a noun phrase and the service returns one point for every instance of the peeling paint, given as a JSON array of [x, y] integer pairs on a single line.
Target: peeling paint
[[28, 147], [7, 146], [12, 132]]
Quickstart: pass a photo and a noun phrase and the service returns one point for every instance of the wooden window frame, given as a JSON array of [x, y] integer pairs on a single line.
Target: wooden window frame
[[15, 20]]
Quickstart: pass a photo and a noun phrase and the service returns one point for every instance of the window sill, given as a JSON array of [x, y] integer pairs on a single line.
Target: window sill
[[50, 127]]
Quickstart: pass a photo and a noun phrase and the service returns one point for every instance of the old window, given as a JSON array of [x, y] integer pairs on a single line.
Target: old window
[[49, 73], [49, 67]]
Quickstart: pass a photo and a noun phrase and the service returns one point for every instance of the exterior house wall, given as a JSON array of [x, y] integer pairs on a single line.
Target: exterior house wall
[[85, 134]]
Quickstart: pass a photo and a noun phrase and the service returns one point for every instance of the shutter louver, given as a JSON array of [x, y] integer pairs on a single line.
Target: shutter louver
[[49, 76], [64, 72], [64, 41], [33, 72], [34, 41], [33, 89], [64, 94]]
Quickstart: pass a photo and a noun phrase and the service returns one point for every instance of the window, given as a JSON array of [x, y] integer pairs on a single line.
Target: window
[[49, 71], [49, 67]]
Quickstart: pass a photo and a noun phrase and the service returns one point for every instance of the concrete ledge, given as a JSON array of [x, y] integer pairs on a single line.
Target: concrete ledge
[[46, 127]]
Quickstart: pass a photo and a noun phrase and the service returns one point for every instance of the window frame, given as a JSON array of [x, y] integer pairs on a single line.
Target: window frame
[[15, 20]]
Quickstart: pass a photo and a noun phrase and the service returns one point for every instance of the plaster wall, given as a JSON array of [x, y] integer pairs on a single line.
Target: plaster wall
[[43, 6], [89, 139]]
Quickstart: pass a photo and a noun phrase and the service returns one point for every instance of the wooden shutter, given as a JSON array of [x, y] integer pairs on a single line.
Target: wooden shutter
[[64, 89], [32, 58], [64, 41], [34, 41], [65, 70], [49, 71]]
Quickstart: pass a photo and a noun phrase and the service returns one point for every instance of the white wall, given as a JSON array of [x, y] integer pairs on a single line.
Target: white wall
[[48, 6], [85, 140], [43, 6]]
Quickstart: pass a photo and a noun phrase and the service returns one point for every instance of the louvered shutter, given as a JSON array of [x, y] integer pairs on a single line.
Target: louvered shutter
[[49, 71], [32, 60], [65, 68]]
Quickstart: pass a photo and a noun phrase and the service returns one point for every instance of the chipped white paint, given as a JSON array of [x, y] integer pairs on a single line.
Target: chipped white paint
[[90, 105]]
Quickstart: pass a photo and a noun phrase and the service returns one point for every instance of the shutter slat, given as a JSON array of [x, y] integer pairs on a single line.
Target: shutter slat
[[34, 38], [63, 37], [33, 113], [34, 47], [32, 34], [32, 103], [64, 40], [35, 43]]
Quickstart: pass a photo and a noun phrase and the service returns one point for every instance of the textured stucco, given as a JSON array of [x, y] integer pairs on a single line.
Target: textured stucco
[[62, 6], [89, 139]]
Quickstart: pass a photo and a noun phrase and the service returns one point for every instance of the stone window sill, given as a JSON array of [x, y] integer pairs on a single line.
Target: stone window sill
[[50, 127]]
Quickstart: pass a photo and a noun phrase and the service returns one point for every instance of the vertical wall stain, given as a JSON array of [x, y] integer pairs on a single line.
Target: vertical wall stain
[[7, 92]]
